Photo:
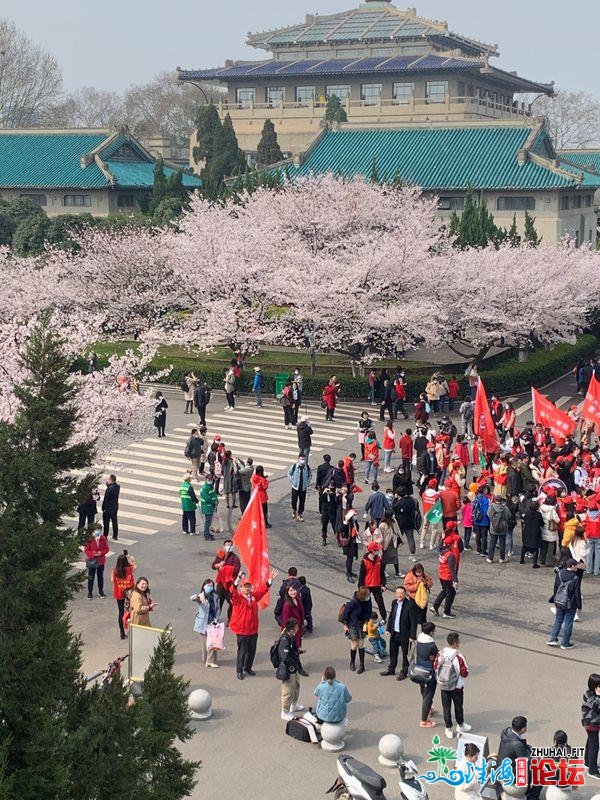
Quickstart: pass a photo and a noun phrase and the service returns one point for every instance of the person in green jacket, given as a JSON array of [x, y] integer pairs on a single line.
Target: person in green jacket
[[189, 503], [208, 502]]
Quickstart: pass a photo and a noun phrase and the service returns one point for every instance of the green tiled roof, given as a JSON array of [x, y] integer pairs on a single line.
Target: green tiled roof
[[49, 160], [136, 174], [437, 158], [586, 159]]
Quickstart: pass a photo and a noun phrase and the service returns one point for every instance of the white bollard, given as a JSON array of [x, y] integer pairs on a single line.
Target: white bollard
[[513, 791], [391, 750], [200, 704], [333, 736]]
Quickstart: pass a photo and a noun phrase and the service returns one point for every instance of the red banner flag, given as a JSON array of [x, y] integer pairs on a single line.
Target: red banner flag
[[591, 405], [483, 425], [549, 416], [250, 538]]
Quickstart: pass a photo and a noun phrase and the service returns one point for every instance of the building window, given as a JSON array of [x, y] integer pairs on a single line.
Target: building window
[[382, 52], [73, 200], [38, 199], [451, 203], [305, 95], [576, 201], [275, 95], [515, 204], [341, 92], [319, 55], [470, 90], [588, 201], [245, 97], [370, 93], [564, 202], [403, 93], [461, 89], [436, 91], [125, 201]]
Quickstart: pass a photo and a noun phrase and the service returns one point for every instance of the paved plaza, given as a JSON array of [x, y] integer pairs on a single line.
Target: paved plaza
[[502, 612]]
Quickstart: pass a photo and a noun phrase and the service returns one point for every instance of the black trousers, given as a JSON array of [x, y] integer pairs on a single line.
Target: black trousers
[[188, 521], [85, 518], [230, 399], [427, 695], [544, 551], [481, 538], [386, 406], [120, 612], [349, 561], [246, 650], [417, 616], [107, 518], [265, 508], [288, 415], [447, 595], [298, 500], [96, 572], [397, 642], [378, 595], [454, 697], [244, 499], [223, 596], [202, 414], [329, 412], [591, 751], [533, 550]]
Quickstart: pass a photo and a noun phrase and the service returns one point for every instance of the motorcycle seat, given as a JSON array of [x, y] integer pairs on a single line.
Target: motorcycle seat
[[365, 774]]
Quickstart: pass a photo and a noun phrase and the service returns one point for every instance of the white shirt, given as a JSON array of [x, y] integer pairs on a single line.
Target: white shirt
[[397, 617]]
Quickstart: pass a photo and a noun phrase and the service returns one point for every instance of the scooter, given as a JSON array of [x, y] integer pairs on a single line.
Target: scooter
[[357, 781]]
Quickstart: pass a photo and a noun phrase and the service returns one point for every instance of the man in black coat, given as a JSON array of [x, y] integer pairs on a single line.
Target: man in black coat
[[304, 432], [201, 400], [398, 627], [513, 745], [110, 506], [324, 475]]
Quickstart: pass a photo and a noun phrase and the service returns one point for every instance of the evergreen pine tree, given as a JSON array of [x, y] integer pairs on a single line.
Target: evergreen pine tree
[[335, 111], [268, 151], [226, 161], [160, 186], [530, 234], [513, 236], [208, 132], [163, 719], [39, 655]]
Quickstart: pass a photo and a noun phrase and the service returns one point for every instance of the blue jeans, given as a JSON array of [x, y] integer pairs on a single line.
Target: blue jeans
[[509, 541], [387, 458], [501, 540], [371, 466], [257, 397], [593, 557], [378, 646], [566, 615], [207, 521]]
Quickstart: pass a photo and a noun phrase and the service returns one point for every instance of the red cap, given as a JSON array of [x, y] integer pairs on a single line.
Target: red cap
[[448, 483], [372, 547], [432, 483]]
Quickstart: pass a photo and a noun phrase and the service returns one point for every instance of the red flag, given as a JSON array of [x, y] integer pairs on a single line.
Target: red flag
[[482, 420], [591, 405], [250, 538], [548, 415]]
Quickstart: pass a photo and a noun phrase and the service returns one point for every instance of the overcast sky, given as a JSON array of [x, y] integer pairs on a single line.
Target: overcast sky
[[114, 43]]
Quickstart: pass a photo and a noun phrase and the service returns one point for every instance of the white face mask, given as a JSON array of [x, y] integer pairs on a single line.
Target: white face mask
[[228, 548]]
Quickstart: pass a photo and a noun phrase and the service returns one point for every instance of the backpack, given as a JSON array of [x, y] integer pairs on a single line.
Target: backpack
[[468, 411], [183, 385], [274, 654], [499, 523], [478, 511], [563, 594], [303, 730], [206, 395], [445, 673], [187, 451], [278, 610], [342, 612], [418, 520], [282, 400]]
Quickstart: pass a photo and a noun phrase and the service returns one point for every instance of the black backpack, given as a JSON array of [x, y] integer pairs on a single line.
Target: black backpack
[[274, 654], [564, 593], [183, 385]]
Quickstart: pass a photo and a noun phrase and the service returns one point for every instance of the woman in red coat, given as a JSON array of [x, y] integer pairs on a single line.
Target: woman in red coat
[[261, 484], [96, 549], [330, 393], [293, 609]]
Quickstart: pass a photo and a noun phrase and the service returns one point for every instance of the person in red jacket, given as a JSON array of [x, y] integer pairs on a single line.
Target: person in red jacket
[[448, 575], [123, 582], [261, 484], [330, 393], [96, 549], [453, 390], [453, 540], [450, 502], [244, 620], [406, 448], [349, 475], [372, 575]]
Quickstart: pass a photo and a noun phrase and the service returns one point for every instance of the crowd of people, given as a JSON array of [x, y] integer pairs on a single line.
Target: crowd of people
[[535, 500]]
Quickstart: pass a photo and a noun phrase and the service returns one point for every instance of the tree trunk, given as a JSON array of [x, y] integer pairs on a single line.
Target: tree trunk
[[523, 355]]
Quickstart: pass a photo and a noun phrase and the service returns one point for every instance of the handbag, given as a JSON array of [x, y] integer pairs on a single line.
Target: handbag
[[419, 674], [421, 595], [92, 563], [214, 636]]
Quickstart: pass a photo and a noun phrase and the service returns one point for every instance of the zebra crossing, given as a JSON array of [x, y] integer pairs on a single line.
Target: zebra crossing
[[150, 471]]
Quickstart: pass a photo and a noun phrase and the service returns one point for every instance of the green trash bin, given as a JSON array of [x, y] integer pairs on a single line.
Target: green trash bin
[[281, 378]]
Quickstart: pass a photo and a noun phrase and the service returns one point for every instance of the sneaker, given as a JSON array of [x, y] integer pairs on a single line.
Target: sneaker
[[553, 610], [401, 575], [575, 620], [296, 707], [226, 408], [448, 616], [535, 566], [300, 518], [501, 561], [285, 715], [378, 659], [489, 561], [421, 546], [449, 733], [468, 547], [427, 724], [434, 610], [594, 775], [569, 646], [102, 595], [431, 547], [510, 553], [293, 515], [412, 558], [552, 642], [464, 728]]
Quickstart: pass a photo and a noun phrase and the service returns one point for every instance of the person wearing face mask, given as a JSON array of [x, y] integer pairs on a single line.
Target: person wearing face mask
[[372, 575], [299, 476], [228, 566], [209, 611], [96, 549], [244, 620]]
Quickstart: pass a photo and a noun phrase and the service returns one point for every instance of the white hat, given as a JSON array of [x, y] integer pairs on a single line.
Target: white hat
[[256, 369], [304, 418]]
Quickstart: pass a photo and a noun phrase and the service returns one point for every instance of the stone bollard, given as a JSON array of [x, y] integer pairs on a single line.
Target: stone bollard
[[557, 793], [391, 750], [513, 791], [333, 736], [200, 704]]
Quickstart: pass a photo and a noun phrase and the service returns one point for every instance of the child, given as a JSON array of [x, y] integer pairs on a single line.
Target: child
[[375, 631], [467, 521], [365, 424], [307, 604]]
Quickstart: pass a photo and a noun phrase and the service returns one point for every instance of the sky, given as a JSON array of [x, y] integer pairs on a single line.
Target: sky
[[113, 44]]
